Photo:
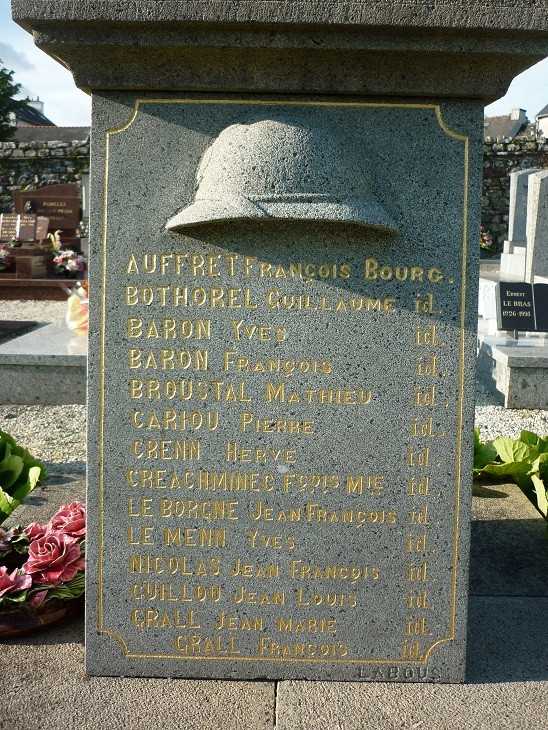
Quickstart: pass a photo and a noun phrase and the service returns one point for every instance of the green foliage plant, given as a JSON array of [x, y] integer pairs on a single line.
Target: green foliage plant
[[523, 460], [19, 474], [8, 104]]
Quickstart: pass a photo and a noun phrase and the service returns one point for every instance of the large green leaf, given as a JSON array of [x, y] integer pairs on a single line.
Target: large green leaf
[[10, 471], [517, 470], [511, 450], [541, 494]]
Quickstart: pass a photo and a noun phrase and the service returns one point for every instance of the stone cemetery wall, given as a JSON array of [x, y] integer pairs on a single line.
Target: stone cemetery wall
[[31, 165], [500, 158], [37, 164]]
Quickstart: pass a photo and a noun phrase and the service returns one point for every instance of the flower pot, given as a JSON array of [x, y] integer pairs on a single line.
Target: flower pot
[[27, 620]]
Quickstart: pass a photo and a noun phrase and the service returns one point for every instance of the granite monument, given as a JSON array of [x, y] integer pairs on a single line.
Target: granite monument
[[282, 338]]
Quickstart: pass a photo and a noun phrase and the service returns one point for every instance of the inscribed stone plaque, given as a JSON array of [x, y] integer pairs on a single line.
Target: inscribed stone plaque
[[27, 227], [278, 386], [9, 227], [42, 226], [515, 306]]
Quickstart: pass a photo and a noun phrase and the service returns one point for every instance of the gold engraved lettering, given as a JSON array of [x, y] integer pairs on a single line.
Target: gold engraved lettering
[[269, 514], [427, 336], [421, 488], [348, 600], [373, 484], [218, 390], [425, 398], [151, 618], [190, 509], [140, 536], [214, 297], [248, 422], [424, 429], [410, 650], [416, 599], [167, 359], [416, 544], [252, 598], [190, 264], [184, 450], [233, 361], [208, 481], [169, 328], [195, 537], [234, 452], [427, 368], [180, 593], [235, 623], [425, 306], [172, 420], [420, 517], [309, 625], [254, 570], [173, 565], [270, 648], [352, 573], [142, 508], [386, 272], [345, 397], [316, 513], [274, 299], [261, 332], [417, 572], [196, 645], [276, 542], [419, 458]]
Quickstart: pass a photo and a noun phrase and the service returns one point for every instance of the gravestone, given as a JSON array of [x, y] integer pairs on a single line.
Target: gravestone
[[282, 330], [537, 229], [512, 261], [59, 203], [515, 307]]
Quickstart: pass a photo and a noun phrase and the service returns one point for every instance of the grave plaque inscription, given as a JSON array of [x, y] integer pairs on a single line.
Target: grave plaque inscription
[[279, 359]]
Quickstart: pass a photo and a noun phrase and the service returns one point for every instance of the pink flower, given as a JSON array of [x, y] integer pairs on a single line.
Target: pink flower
[[37, 599], [54, 558], [69, 520], [13, 582], [34, 530]]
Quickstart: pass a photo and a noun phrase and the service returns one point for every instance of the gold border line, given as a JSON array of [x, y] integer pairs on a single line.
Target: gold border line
[[454, 566]]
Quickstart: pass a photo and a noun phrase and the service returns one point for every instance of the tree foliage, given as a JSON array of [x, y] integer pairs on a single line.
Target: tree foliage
[[7, 102]]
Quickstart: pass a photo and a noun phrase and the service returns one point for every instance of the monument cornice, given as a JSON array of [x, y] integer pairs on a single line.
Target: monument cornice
[[414, 48]]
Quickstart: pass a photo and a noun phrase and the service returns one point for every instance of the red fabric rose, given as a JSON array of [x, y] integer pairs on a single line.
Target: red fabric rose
[[70, 520], [13, 582], [34, 530], [54, 558]]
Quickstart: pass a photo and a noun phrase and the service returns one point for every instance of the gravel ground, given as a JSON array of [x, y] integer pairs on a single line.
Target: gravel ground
[[56, 434]]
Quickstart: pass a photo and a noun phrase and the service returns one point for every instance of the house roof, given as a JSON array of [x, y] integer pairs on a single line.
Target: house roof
[[50, 134], [502, 127], [543, 112], [30, 115]]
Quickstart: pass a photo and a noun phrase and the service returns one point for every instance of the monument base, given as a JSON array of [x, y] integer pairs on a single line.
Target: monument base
[[515, 371]]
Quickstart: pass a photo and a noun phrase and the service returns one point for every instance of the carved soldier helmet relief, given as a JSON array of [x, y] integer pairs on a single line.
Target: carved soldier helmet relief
[[280, 169]]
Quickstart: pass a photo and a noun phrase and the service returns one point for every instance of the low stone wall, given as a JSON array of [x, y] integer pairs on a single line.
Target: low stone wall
[[500, 158], [37, 164], [32, 165]]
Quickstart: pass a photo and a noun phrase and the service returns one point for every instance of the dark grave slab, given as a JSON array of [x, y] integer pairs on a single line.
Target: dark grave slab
[[540, 294], [515, 306]]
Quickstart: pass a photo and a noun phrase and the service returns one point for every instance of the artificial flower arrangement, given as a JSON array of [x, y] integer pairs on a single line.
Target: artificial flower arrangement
[[40, 564], [66, 262], [77, 315], [6, 259], [486, 241]]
